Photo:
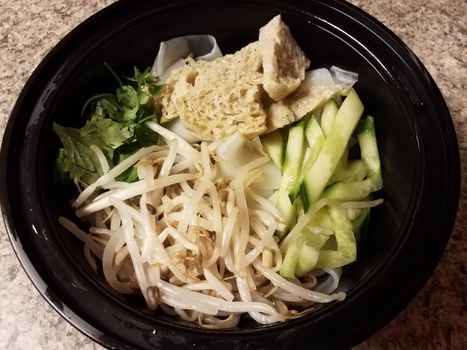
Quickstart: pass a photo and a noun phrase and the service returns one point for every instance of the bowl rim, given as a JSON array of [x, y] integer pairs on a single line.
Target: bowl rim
[[84, 326]]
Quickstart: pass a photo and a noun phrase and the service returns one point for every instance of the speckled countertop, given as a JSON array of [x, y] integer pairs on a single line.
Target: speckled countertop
[[436, 32]]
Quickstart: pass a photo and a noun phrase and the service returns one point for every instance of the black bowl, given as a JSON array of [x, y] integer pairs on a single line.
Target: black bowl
[[406, 235]]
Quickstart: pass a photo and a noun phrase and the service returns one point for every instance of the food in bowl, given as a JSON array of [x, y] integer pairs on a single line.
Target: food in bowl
[[218, 186]]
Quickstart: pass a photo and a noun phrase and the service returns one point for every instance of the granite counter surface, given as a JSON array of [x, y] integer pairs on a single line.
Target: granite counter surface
[[434, 30]]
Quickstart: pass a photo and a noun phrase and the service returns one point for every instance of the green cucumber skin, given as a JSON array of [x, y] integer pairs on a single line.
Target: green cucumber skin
[[355, 170], [274, 146], [294, 153], [327, 116], [369, 150], [334, 146], [339, 179]]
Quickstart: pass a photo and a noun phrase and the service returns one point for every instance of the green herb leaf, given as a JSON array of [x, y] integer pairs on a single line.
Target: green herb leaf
[[129, 101], [76, 158], [115, 125]]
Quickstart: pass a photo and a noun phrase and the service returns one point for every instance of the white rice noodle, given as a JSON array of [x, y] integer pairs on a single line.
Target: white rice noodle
[[172, 52], [215, 323], [329, 285], [286, 296], [290, 287], [266, 316], [184, 315], [343, 77]]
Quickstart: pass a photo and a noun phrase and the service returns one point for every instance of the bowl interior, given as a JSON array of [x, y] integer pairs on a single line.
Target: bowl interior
[[130, 38], [136, 43]]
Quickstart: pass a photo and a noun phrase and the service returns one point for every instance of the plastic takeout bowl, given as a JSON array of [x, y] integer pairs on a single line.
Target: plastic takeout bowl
[[406, 235]]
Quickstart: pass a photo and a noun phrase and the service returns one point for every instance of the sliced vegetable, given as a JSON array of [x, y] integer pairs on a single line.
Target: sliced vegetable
[[273, 145], [301, 255], [235, 152], [344, 124], [291, 257], [328, 114], [369, 150], [358, 190], [351, 191], [359, 221], [354, 171], [294, 153], [346, 251], [315, 138]]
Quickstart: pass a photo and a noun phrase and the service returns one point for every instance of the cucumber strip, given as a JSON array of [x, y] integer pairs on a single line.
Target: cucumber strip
[[360, 225], [307, 260], [299, 210], [327, 116], [346, 244], [351, 191], [313, 132], [369, 150], [294, 153], [354, 213], [344, 160], [301, 253], [358, 222], [315, 138], [356, 170], [334, 146], [289, 263], [331, 259], [311, 218], [309, 252], [286, 208], [273, 145]]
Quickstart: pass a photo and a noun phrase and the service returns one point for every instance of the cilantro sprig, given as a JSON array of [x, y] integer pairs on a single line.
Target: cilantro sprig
[[115, 123]]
